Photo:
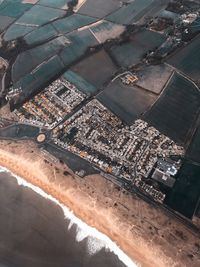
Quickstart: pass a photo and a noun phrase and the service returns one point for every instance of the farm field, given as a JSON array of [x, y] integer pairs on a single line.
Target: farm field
[[154, 78], [31, 83], [99, 8], [175, 113], [96, 69], [185, 193], [193, 152], [132, 12], [127, 102], [80, 83], [187, 59], [29, 60], [131, 53]]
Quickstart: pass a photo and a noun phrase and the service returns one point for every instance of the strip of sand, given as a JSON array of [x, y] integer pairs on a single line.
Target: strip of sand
[[146, 234]]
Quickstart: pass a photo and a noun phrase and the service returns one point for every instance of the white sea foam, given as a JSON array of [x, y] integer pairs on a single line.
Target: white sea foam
[[95, 239]]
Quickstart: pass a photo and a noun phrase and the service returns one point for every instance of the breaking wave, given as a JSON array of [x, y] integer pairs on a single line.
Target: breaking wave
[[95, 239]]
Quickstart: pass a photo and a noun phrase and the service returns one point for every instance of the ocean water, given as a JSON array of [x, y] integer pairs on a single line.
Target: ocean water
[[37, 231]]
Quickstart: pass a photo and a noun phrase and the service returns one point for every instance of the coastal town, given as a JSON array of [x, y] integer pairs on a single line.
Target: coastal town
[[108, 88], [49, 107], [107, 115], [130, 153], [94, 133]]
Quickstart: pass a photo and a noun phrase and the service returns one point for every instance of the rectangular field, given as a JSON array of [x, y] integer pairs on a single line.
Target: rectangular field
[[193, 152], [72, 23], [127, 102], [186, 191], [154, 78], [131, 53], [176, 111], [187, 59], [80, 83], [99, 8], [96, 69], [131, 12]]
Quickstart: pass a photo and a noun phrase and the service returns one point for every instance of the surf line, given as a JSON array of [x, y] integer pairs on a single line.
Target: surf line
[[96, 239]]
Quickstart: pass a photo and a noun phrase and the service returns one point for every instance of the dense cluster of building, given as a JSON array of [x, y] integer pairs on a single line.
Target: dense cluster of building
[[133, 153], [48, 108]]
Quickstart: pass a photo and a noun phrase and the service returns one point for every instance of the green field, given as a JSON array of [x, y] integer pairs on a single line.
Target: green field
[[15, 31], [73, 22], [186, 191], [13, 8], [40, 77], [130, 13], [130, 53], [28, 60], [176, 111], [193, 152], [55, 3], [41, 34], [127, 102], [38, 15], [80, 83], [80, 42], [187, 59]]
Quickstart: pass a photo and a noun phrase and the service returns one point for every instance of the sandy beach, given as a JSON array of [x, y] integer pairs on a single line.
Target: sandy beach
[[145, 233]]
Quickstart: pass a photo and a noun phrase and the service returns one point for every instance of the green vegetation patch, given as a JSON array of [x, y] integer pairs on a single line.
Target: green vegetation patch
[[97, 69], [186, 191], [41, 34], [130, 13], [83, 38], [30, 59], [40, 77], [39, 15], [187, 59], [80, 83], [72, 23], [127, 102], [72, 53], [176, 111], [55, 3], [193, 152], [13, 8], [99, 8], [80, 42], [131, 53], [15, 31], [48, 69]]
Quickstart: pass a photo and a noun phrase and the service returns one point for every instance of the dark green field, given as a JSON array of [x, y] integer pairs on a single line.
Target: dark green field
[[186, 191], [96, 69], [187, 59], [193, 152], [132, 52], [176, 111], [127, 102]]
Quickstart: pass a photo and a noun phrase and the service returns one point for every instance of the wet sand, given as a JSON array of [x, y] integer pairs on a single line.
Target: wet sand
[[145, 233]]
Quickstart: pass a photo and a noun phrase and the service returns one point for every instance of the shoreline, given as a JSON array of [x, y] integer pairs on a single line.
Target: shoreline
[[69, 215], [71, 191]]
